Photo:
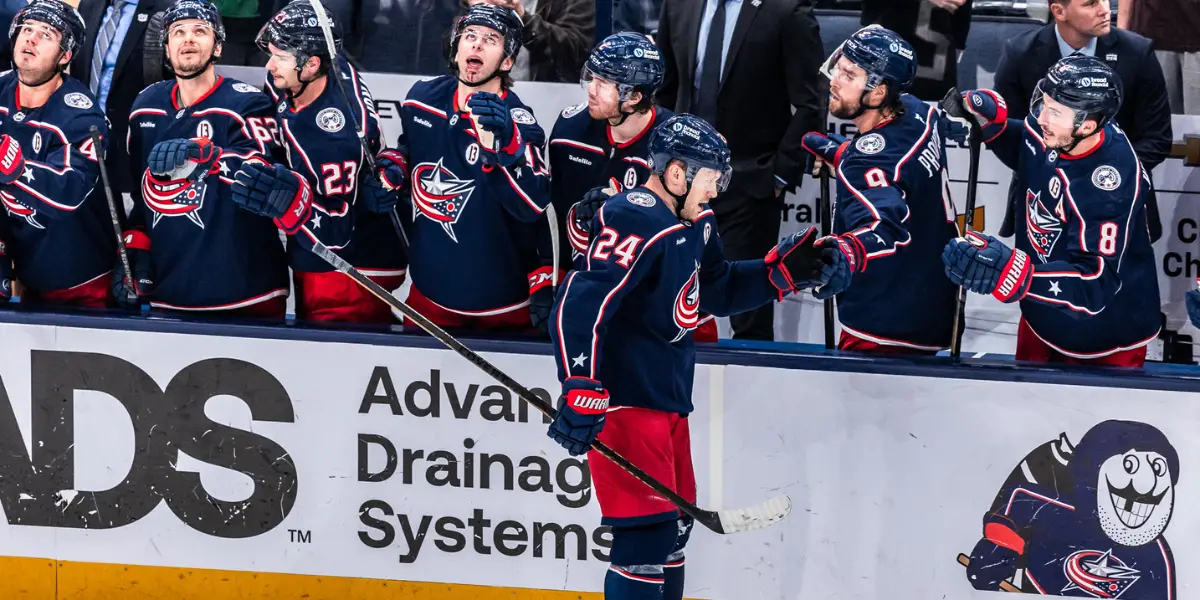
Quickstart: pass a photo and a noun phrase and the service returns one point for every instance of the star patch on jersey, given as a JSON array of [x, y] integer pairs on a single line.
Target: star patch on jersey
[[641, 199], [331, 120], [872, 143], [1106, 178]]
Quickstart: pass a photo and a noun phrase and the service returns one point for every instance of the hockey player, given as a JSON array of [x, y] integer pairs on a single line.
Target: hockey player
[[600, 148], [60, 233], [479, 184], [190, 247], [1083, 269], [625, 358], [1193, 305], [320, 129], [893, 214]]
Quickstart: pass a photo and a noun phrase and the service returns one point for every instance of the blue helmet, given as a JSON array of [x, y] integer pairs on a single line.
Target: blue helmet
[[504, 21], [295, 29], [883, 54], [692, 141], [629, 60], [1084, 84], [202, 10], [58, 14]]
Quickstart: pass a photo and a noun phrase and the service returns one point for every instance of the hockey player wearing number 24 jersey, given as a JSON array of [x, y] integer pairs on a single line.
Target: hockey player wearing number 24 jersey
[[892, 215], [60, 234], [190, 246], [1083, 268], [654, 263]]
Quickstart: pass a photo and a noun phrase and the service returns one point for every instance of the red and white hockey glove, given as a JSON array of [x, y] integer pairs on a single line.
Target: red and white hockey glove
[[581, 410], [12, 162], [541, 296], [985, 265], [274, 191]]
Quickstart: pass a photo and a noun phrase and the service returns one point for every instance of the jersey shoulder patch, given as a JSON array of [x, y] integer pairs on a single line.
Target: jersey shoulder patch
[[331, 119], [1106, 177], [871, 143], [78, 100], [571, 111], [641, 199], [521, 116], [244, 88]]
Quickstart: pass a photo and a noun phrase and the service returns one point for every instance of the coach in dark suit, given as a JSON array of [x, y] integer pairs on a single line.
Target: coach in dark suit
[[113, 64], [743, 65], [1145, 115]]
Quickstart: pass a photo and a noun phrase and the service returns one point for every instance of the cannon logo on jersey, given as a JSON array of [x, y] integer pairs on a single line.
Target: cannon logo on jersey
[[687, 305], [174, 198], [17, 209], [1043, 227], [1098, 574], [440, 195]]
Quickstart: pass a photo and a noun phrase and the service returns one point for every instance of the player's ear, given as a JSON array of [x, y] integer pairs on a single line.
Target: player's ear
[[1088, 128], [217, 50], [507, 63], [66, 57]]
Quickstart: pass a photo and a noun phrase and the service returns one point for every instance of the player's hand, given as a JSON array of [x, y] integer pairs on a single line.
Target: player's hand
[[182, 159], [985, 265], [581, 410], [493, 116], [994, 558], [795, 263], [137, 249], [541, 297], [1193, 306], [579, 218], [825, 149], [393, 168], [835, 269], [273, 191], [12, 162]]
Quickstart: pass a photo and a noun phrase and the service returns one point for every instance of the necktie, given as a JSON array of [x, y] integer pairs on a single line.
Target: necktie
[[103, 41], [705, 104]]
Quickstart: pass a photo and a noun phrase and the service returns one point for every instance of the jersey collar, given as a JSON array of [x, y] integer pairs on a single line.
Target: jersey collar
[[1103, 135], [175, 93], [633, 140]]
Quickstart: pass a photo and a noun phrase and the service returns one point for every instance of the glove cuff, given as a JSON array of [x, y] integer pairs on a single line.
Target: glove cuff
[[854, 251], [585, 396], [136, 239], [543, 277], [1014, 278], [297, 213], [11, 161]]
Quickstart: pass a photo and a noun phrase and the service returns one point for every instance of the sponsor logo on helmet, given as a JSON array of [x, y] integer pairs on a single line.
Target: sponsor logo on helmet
[[522, 117], [244, 88], [331, 120], [1088, 82], [641, 199], [1106, 178], [645, 53], [77, 100], [691, 132], [872, 143]]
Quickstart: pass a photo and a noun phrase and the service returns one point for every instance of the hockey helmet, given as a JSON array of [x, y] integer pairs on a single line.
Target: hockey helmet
[[504, 21], [628, 59], [692, 141], [58, 14], [296, 29], [1088, 87], [202, 10], [882, 53]]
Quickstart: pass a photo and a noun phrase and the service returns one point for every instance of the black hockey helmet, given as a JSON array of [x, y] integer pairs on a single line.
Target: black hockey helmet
[[58, 14], [296, 29], [692, 141], [504, 21], [629, 60], [1084, 84], [882, 53], [202, 10]]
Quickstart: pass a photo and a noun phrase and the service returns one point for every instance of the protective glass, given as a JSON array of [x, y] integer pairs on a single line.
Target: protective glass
[[181, 30], [40, 31], [604, 87], [1047, 110], [722, 177]]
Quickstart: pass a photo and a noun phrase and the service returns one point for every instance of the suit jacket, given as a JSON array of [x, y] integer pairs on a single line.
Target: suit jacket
[[1145, 115], [129, 78], [771, 66]]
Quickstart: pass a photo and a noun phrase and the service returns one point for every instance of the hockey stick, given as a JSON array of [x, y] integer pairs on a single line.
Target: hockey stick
[[952, 104], [112, 211], [965, 561], [552, 220], [725, 521], [827, 229], [360, 132]]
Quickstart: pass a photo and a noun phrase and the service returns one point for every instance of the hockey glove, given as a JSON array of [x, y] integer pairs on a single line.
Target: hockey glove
[[274, 191], [1193, 306], [494, 117], [826, 148], [6, 274], [835, 269], [579, 218], [137, 248], [182, 159], [12, 162], [994, 558], [986, 108], [984, 265], [541, 297], [581, 410], [393, 168], [795, 263]]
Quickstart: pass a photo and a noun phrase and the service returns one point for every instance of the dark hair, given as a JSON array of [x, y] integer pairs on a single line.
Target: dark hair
[[646, 103]]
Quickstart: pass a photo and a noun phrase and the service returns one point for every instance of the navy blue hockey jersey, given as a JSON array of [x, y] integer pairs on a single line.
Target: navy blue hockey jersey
[[583, 156], [625, 318], [323, 146], [207, 252], [893, 197], [1095, 283], [474, 229], [60, 232]]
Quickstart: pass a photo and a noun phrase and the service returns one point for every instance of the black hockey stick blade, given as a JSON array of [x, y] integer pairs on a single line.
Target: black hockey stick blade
[[725, 521]]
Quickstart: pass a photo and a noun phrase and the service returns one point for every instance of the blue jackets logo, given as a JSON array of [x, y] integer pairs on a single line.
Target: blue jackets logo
[[1042, 226], [18, 209], [440, 195], [687, 305]]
